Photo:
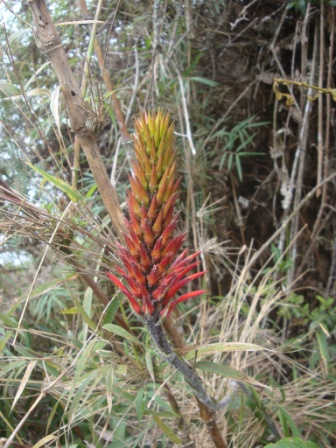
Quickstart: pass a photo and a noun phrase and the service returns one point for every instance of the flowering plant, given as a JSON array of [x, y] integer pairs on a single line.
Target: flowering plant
[[152, 271]]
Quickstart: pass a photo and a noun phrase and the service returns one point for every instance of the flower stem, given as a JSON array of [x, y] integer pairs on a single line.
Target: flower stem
[[157, 333]]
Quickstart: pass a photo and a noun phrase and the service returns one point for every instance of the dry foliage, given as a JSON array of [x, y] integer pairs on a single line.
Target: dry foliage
[[257, 162]]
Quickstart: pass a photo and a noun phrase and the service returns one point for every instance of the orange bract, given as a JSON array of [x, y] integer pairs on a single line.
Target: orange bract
[[152, 271]]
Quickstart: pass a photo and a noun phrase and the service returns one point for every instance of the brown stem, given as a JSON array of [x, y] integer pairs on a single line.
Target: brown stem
[[48, 40], [206, 404], [209, 418], [207, 415]]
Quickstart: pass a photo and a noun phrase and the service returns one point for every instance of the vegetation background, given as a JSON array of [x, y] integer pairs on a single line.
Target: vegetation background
[[257, 161]]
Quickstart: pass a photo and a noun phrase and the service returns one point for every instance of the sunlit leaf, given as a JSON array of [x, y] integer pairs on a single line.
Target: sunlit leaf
[[59, 183], [49, 286], [23, 382], [226, 371], [222, 347], [45, 440], [292, 442], [167, 430], [115, 329]]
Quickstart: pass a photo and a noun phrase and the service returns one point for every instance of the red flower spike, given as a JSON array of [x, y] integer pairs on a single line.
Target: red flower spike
[[148, 234], [133, 205], [135, 225], [148, 307], [182, 272], [176, 286], [124, 290], [158, 224], [153, 180], [137, 288], [159, 166], [169, 189], [137, 168], [166, 234], [152, 211], [179, 259], [165, 262], [132, 234], [182, 261], [138, 190], [154, 276], [162, 187], [132, 247], [156, 252], [159, 292], [136, 272], [169, 205], [120, 271], [174, 244], [168, 217], [167, 311], [149, 270], [144, 260], [128, 266], [143, 159]]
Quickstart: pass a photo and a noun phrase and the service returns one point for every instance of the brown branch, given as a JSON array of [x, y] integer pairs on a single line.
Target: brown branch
[[107, 80], [48, 40]]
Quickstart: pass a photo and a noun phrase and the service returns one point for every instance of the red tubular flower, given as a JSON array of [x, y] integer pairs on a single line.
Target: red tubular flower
[[152, 270]]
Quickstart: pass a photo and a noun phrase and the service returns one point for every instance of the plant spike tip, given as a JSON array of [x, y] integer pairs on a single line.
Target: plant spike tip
[[152, 268]]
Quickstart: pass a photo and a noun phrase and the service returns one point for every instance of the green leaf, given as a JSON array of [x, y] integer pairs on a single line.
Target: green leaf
[[49, 286], [82, 312], [15, 365], [287, 422], [292, 442], [4, 339], [166, 429], [42, 442], [84, 358], [73, 195], [9, 89], [223, 347], [206, 81], [91, 191], [226, 371], [221, 370], [23, 382], [149, 364], [140, 404], [115, 329], [70, 311], [112, 309]]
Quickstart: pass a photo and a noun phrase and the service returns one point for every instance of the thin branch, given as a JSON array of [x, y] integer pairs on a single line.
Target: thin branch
[[48, 40], [156, 331]]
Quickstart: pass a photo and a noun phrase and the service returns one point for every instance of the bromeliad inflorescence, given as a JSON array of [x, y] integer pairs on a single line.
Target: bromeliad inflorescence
[[152, 270]]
